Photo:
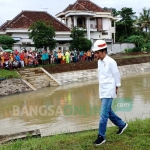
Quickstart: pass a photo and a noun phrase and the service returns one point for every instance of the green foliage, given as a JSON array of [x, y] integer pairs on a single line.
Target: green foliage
[[124, 25], [78, 41], [128, 50], [6, 41], [144, 49], [8, 74], [138, 40], [77, 33], [144, 19], [114, 12], [142, 23], [5, 47], [146, 46], [43, 34], [85, 44], [136, 49]]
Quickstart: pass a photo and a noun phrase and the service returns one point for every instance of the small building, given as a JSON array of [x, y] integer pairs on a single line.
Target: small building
[[98, 23], [18, 27]]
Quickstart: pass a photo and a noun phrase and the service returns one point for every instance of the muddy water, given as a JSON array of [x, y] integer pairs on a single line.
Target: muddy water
[[71, 107]]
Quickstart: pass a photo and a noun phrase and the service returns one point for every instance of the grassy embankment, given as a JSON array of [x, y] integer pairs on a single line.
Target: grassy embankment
[[135, 137], [8, 74]]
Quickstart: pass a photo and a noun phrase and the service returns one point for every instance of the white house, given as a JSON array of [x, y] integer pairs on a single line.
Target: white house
[[98, 23], [18, 27]]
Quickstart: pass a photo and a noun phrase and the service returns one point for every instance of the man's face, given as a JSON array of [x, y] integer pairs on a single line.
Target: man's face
[[100, 55]]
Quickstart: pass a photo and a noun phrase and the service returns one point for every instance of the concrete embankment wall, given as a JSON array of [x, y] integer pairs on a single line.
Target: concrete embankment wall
[[92, 74], [13, 86]]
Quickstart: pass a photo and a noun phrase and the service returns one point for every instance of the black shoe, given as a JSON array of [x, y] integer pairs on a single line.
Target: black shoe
[[121, 130], [100, 140]]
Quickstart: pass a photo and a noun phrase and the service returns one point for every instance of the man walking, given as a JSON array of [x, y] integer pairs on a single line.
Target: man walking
[[109, 81]]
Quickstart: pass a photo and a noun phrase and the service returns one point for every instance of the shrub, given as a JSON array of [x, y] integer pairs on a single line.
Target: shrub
[[147, 46], [136, 49], [144, 49], [128, 50], [138, 40]]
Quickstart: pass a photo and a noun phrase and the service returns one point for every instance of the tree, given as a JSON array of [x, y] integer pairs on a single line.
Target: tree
[[85, 44], [124, 27], [43, 34], [112, 10], [6, 41], [78, 41], [144, 19]]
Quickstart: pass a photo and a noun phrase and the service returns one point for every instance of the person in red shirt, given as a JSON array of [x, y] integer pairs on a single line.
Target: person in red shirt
[[22, 59]]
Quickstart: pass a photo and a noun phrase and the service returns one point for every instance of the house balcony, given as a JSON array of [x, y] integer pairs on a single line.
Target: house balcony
[[84, 27], [93, 27]]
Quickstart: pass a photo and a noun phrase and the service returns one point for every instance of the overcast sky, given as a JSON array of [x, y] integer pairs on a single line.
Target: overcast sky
[[10, 8]]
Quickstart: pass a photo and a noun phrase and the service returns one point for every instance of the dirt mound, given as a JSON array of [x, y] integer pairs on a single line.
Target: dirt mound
[[58, 68]]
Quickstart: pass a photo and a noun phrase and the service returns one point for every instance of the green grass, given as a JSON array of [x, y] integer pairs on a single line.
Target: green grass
[[8, 74], [135, 137]]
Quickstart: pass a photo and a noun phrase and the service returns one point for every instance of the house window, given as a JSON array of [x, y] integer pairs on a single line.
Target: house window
[[81, 22], [92, 19], [112, 23], [105, 33]]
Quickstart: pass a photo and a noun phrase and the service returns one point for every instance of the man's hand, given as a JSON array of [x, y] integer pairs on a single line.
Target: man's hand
[[116, 90]]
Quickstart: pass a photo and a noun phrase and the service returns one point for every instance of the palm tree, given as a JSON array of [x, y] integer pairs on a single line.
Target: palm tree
[[144, 19]]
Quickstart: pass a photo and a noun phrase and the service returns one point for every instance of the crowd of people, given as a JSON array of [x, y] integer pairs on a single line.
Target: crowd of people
[[15, 59]]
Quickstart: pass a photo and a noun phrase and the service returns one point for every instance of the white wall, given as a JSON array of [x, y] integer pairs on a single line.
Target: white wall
[[96, 35]]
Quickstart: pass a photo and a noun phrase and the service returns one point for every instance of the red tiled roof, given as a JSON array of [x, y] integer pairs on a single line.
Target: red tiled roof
[[85, 5], [26, 18], [3, 26]]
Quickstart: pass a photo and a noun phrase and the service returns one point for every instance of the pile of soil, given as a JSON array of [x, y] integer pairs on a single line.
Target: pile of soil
[[130, 61], [58, 68], [84, 65]]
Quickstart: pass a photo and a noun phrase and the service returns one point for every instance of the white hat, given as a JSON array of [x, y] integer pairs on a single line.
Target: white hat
[[98, 45]]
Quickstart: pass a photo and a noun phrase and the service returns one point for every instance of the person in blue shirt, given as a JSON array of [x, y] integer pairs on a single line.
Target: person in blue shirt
[[43, 58], [56, 57], [46, 56], [17, 58]]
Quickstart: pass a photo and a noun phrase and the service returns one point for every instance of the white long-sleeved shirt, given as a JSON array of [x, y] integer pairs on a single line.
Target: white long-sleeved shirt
[[109, 77]]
